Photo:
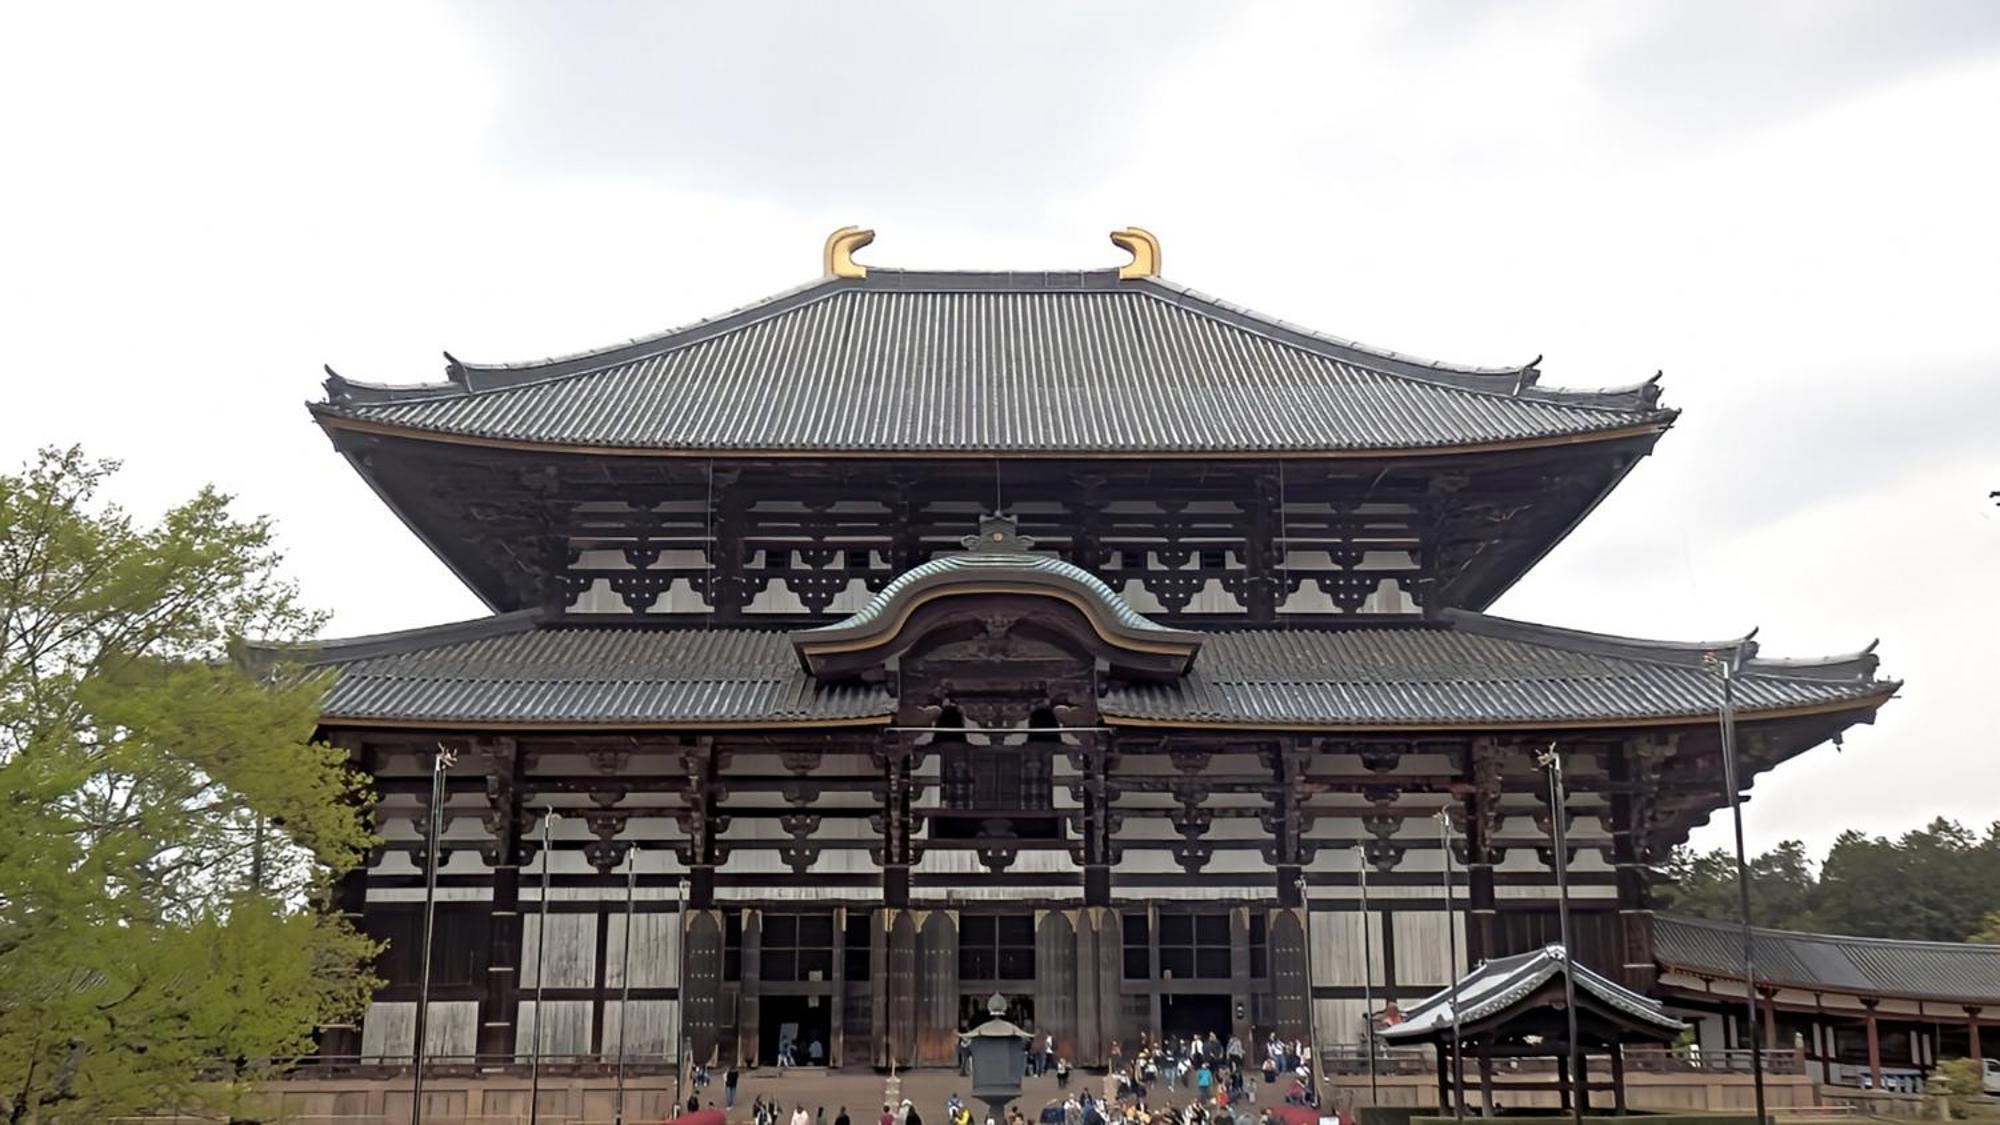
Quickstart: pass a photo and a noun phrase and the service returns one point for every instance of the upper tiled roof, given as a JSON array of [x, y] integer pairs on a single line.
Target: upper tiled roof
[[960, 364], [1502, 982], [1471, 671], [1832, 962]]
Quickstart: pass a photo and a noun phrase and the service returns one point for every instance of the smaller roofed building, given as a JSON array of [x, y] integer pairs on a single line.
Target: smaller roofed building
[[1518, 1007], [1865, 1011]]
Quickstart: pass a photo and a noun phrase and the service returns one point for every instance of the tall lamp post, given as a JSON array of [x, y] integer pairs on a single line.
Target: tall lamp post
[[1729, 663], [1312, 1017], [1367, 970], [625, 974], [1451, 966], [541, 962], [1559, 826], [435, 827]]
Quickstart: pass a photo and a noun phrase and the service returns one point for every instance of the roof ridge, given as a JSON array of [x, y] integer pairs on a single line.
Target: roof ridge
[[1684, 654], [1860, 939], [463, 378], [368, 646], [1430, 372]]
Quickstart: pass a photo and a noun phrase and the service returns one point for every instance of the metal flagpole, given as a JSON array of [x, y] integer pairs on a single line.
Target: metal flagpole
[[434, 829], [680, 989], [1726, 717], [1368, 970], [1451, 967], [1559, 824], [541, 959], [1312, 1016], [625, 975]]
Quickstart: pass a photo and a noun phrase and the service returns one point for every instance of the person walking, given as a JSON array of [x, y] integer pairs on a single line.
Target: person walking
[[730, 1078], [800, 1116], [841, 1117]]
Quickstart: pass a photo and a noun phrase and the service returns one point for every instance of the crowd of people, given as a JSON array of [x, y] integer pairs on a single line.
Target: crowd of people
[[1167, 1080]]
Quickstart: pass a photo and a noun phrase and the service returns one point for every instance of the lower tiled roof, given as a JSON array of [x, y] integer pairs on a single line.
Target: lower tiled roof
[[1469, 671], [1832, 962]]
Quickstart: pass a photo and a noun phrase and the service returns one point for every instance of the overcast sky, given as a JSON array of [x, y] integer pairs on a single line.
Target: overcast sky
[[1788, 207]]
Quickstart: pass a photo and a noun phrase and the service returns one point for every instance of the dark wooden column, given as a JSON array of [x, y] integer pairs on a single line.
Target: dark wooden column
[[748, 1024], [898, 851], [502, 821], [1972, 1032], [1874, 1045], [350, 901], [1098, 821], [1634, 772], [1618, 1077], [700, 854], [1482, 824], [1288, 822], [836, 1037]]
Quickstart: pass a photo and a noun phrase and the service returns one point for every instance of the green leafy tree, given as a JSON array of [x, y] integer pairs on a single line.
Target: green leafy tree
[[1989, 933], [1935, 883], [169, 822]]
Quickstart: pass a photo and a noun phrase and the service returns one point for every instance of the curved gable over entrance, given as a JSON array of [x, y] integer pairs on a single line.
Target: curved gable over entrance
[[997, 585]]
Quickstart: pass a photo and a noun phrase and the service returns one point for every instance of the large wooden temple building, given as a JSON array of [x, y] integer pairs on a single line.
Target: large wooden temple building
[[910, 637]]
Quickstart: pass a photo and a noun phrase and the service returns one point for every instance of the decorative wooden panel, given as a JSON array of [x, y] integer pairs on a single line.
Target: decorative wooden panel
[[655, 953], [703, 989], [1110, 973], [1090, 1038], [937, 1018], [1055, 981], [563, 1028], [902, 979], [571, 958], [1288, 972]]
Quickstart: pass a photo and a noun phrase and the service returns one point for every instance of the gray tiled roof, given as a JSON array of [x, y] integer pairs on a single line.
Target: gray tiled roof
[[1832, 962], [1481, 669], [1496, 985], [518, 673], [513, 669], [968, 363]]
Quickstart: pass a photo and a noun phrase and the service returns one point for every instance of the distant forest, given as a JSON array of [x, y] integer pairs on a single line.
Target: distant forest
[[1938, 883]]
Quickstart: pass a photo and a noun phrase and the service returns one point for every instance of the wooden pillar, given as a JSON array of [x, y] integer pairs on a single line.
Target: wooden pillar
[[1482, 822], [1770, 1020], [1444, 1081], [1972, 1034], [836, 1013], [749, 1036], [897, 852], [1582, 1078], [1618, 1078], [499, 1003], [937, 985], [1289, 823], [1097, 824], [698, 822], [1874, 1046], [1486, 1075], [1562, 1077]]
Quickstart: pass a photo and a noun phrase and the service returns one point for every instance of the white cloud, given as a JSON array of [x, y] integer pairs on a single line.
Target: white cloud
[[206, 202]]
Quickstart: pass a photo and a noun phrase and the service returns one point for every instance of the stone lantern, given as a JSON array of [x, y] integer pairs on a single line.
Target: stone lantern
[[998, 1058]]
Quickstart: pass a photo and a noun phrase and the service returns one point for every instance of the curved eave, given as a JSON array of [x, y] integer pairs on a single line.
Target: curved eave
[[887, 623], [331, 418], [1765, 980], [1863, 703]]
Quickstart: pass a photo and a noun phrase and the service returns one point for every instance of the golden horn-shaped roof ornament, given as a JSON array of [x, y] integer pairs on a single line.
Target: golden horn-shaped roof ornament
[[840, 248], [1145, 251]]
